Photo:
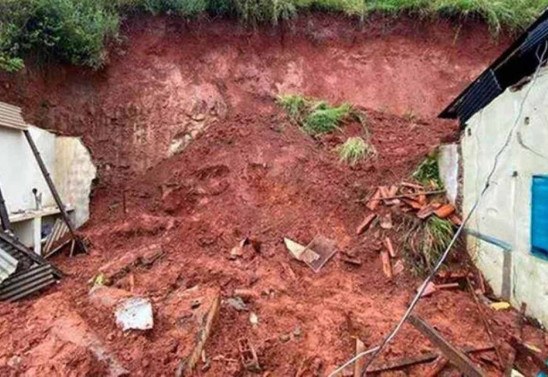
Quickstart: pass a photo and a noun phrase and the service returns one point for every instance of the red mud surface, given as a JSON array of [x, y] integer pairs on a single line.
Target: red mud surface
[[248, 172]]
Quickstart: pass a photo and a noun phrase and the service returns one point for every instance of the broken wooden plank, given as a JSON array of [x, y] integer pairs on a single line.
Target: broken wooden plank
[[360, 363], [425, 212], [374, 202], [390, 247], [486, 324], [438, 367], [426, 358], [366, 223], [386, 265], [457, 358]]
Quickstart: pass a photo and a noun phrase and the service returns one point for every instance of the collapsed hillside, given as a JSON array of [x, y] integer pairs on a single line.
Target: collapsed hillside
[[194, 157]]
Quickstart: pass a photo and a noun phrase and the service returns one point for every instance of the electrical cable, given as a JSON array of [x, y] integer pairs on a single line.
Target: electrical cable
[[377, 350]]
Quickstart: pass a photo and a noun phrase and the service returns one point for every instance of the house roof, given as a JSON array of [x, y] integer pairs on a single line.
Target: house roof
[[516, 63], [10, 116]]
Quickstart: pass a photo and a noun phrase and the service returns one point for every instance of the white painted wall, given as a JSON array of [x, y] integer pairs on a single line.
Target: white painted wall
[[19, 172], [74, 174], [71, 168], [505, 210]]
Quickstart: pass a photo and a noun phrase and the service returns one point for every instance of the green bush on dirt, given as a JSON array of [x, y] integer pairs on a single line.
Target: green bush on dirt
[[71, 31], [77, 31], [355, 149], [428, 172], [424, 242], [315, 117]]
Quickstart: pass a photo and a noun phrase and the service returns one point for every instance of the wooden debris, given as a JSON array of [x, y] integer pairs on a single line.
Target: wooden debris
[[386, 265], [360, 363], [445, 211], [390, 247], [412, 185], [431, 288], [289, 271], [374, 201], [352, 261], [426, 211], [412, 203], [533, 356], [439, 365], [486, 324], [457, 358], [398, 268], [425, 358], [455, 219], [366, 223]]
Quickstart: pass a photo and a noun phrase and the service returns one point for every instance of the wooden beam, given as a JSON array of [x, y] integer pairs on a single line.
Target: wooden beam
[[410, 361], [457, 358]]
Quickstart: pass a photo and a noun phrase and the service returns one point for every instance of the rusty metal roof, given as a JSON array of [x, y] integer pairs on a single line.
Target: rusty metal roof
[[8, 265], [10, 116]]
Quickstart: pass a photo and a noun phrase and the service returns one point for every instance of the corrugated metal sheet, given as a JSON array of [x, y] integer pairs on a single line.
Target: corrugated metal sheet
[[8, 265], [539, 226], [27, 282], [516, 63], [10, 116]]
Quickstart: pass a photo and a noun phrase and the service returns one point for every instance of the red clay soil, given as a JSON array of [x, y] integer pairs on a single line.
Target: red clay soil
[[255, 176], [166, 71], [249, 172]]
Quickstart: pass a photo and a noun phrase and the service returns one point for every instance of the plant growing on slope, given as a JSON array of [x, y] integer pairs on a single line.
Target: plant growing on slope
[[324, 118], [425, 241], [428, 172], [314, 117], [354, 150]]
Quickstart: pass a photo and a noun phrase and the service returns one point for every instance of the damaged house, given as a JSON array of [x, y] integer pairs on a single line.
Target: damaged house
[[504, 115], [30, 214]]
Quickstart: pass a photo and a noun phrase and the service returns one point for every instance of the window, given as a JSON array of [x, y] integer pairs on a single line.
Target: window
[[539, 221]]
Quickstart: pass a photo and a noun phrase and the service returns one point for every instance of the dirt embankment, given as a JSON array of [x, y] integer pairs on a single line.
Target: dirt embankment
[[248, 172], [168, 80]]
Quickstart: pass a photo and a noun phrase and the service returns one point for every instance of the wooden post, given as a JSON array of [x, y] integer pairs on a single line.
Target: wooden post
[[457, 358]]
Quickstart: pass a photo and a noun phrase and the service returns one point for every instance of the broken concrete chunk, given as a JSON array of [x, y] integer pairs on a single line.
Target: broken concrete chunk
[[386, 222], [237, 303], [130, 312], [134, 314]]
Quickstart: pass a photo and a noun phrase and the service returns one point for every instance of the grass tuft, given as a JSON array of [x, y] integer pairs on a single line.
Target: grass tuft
[[324, 118], [314, 117], [428, 172], [354, 150], [424, 242]]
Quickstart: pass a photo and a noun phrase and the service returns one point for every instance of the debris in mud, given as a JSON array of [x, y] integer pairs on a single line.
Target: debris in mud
[[248, 355], [316, 254], [457, 357], [130, 312], [191, 326], [431, 288], [116, 269]]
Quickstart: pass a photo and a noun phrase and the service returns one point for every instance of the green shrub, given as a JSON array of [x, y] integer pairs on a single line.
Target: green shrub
[[355, 149], [323, 118], [294, 105], [71, 31], [428, 172]]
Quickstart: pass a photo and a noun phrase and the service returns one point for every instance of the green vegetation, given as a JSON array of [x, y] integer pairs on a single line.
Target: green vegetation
[[425, 241], [354, 150], [428, 172], [324, 118], [314, 117], [78, 31]]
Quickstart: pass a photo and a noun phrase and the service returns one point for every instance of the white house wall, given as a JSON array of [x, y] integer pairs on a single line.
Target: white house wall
[[503, 216], [75, 173], [19, 172]]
